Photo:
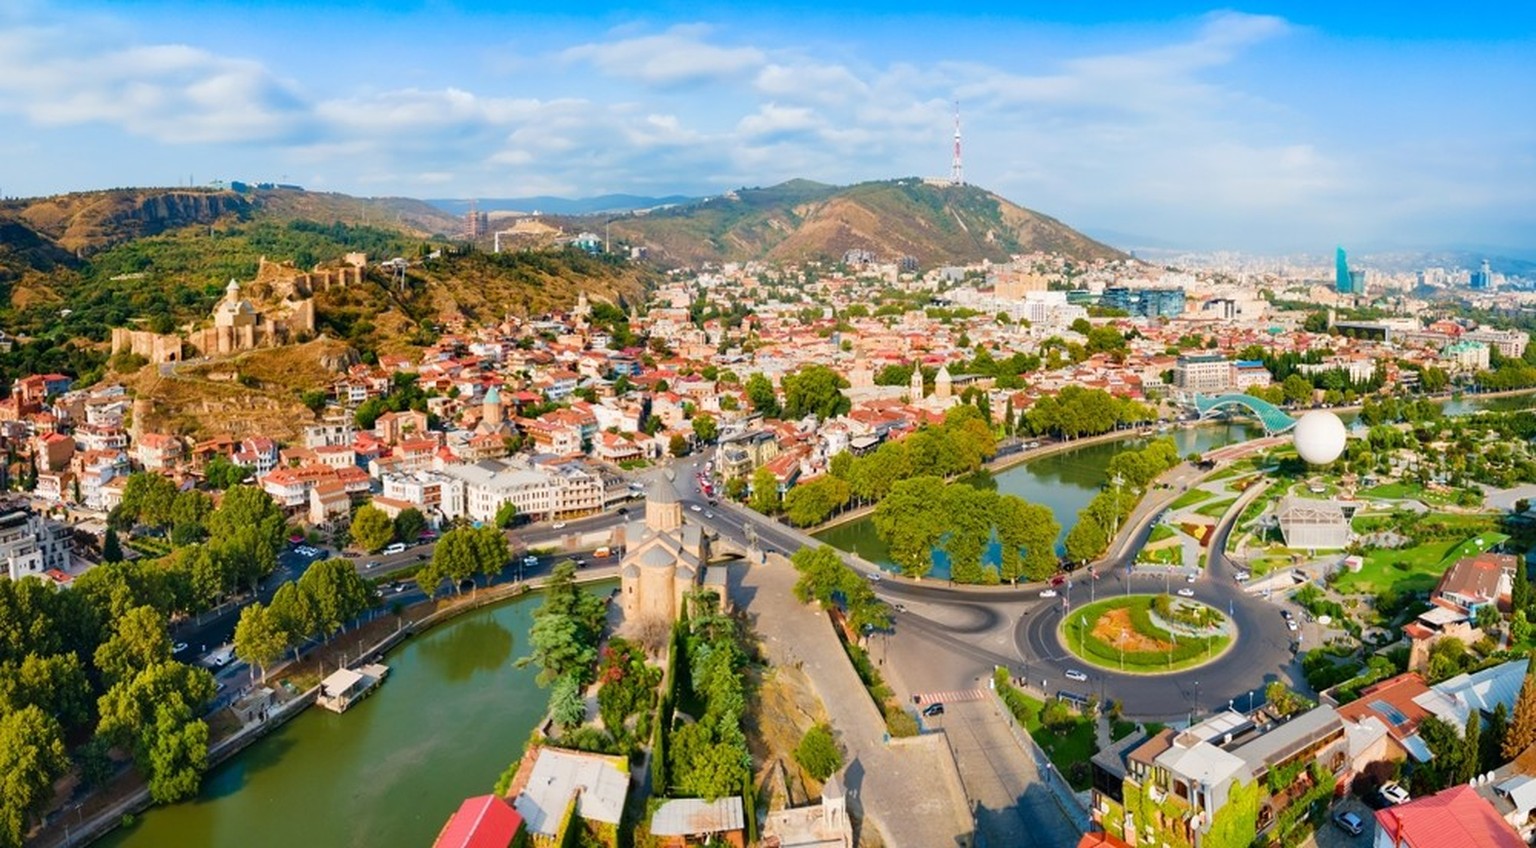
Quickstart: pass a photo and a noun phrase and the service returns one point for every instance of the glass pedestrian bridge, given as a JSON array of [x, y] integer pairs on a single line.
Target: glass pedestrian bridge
[[1274, 419]]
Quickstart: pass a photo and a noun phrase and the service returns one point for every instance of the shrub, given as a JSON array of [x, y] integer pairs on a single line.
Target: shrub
[[818, 753]]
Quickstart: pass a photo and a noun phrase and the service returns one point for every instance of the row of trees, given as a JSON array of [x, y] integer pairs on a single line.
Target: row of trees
[[318, 605], [462, 554], [1075, 412], [708, 757], [88, 670], [372, 529], [922, 515], [826, 579], [1098, 521]]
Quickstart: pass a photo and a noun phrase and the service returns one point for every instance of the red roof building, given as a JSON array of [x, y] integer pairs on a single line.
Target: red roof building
[[485, 821], [1457, 816]]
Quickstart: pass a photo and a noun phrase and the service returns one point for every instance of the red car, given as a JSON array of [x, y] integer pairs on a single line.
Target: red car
[[1058, 579]]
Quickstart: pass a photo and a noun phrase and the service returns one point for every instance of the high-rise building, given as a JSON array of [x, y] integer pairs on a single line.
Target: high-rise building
[[1341, 281], [1145, 303], [1482, 278]]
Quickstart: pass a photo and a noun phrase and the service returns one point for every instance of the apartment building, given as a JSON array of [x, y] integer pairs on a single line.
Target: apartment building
[[31, 544]]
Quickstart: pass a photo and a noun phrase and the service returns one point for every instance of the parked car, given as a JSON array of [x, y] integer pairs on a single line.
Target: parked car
[[1394, 793], [178, 647], [1186, 592], [934, 709], [1190, 577], [1348, 822], [1241, 576], [1074, 674], [373, 563], [558, 525], [1048, 593], [696, 507], [901, 607], [1290, 624], [874, 576]]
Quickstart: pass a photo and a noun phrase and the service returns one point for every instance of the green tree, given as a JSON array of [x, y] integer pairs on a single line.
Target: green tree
[[31, 757], [1519, 628], [221, 474], [1282, 698], [1298, 390], [565, 629], [259, 641], [154, 715], [139, 641], [293, 613], [409, 525], [177, 755], [818, 753], [822, 573], [677, 445], [811, 503], [761, 395], [704, 428], [765, 492], [54, 683], [1086, 540], [248, 528], [909, 524], [111, 548], [566, 706], [1522, 724], [372, 528], [814, 390], [338, 593], [506, 515]]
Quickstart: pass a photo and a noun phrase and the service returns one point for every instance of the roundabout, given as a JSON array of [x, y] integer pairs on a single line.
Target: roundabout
[[1147, 634]]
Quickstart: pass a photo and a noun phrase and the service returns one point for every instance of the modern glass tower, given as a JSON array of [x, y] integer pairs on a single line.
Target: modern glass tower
[[1341, 281]]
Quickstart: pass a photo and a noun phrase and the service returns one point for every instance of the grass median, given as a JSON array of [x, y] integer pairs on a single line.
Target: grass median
[[1119, 634]]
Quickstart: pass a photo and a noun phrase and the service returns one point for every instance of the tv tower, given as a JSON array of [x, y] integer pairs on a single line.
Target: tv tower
[[957, 167]]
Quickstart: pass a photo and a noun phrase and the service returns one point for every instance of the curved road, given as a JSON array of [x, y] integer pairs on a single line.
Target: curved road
[[960, 616]]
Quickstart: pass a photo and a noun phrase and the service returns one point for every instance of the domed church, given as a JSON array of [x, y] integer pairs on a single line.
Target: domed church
[[664, 558]]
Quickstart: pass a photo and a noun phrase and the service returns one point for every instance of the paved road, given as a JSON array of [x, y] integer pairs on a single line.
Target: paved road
[[1011, 804]]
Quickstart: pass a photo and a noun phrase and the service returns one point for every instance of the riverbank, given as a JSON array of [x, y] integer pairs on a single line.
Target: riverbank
[[126, 796]]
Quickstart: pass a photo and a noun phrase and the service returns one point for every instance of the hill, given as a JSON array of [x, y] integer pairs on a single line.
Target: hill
[[801, 219], [548, 205]]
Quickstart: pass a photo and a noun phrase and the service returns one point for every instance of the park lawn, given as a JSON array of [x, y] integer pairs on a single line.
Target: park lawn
[[1077, 745], [1159, 533], [1404, 490], [1190, 498], [1216, 509], [1425, 564], [1171, 555]]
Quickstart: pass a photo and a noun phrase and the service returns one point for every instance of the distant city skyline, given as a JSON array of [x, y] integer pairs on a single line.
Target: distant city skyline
[[1180, 124]]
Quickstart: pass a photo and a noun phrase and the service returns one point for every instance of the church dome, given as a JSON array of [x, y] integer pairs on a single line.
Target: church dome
[[663, 491]]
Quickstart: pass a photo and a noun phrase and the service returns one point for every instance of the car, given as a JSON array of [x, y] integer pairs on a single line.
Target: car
[[1285, 614], [558, 525], [372, 564], [178, 647], [1348, 822], [579, 561], [696, 507], [934, 709], [1074, 674], [1290, 624], [1186, 592], [1032, 445], [217, 688], [1241, 576], [623, 510], [709, 515], [874, 576], [1189, 578], [901, 607], [1394, 793], [1058, 579], [396, 586], [1048, 593]]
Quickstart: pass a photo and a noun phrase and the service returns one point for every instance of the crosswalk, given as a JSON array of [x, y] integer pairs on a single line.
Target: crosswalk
[[950, 697]]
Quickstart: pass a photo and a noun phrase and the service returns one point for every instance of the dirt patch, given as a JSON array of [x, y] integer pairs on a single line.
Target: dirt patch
[[1115, 628], [785, 708]]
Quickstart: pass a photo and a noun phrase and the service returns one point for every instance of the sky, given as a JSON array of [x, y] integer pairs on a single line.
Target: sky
[[1268, 128]]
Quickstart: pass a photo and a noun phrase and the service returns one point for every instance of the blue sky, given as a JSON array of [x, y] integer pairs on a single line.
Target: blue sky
[[1261, 128]]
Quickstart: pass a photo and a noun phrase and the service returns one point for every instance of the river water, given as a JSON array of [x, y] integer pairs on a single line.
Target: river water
[[450, 717], [1065, 482]]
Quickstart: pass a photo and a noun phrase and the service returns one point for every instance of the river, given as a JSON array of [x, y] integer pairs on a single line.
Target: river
[[451, 716], [1066, 481]]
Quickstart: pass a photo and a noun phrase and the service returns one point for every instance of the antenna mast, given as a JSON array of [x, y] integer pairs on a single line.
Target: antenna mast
[[957, 167]]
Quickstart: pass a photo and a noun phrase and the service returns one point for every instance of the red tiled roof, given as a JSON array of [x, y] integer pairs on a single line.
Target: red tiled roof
[[1457, 816], [482, 822], [1397, 692], [1101, 840]]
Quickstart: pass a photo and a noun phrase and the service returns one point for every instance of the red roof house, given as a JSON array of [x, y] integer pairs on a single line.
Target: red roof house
[[1457, 816], [485, 821]]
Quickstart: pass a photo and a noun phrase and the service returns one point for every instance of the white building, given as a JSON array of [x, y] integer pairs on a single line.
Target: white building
[[31, 544], [1206, 374]]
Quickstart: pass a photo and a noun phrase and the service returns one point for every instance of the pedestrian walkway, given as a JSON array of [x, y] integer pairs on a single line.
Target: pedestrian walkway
[[952, 697]]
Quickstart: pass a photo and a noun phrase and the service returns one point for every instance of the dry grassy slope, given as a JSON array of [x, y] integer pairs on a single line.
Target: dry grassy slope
[[400, 213], [195, 401], [89, 221], [936, 224], [481, 288]]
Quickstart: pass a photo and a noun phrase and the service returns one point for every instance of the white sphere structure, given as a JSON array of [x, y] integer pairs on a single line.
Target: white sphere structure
[[1319, 437]]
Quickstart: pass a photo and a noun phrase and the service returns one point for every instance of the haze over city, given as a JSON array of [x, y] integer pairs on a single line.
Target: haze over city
[[1184, 125]]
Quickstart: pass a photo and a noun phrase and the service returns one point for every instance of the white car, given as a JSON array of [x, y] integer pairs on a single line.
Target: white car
[[1186, 592], [558, 525], [696, 508], [1074, 674], [1394, 793], [1241, 576], [874, 576], [1290, 624], [1048, 593]]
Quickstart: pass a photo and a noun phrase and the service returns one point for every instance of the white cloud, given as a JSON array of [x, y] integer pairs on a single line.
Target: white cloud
[[679, 55]]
